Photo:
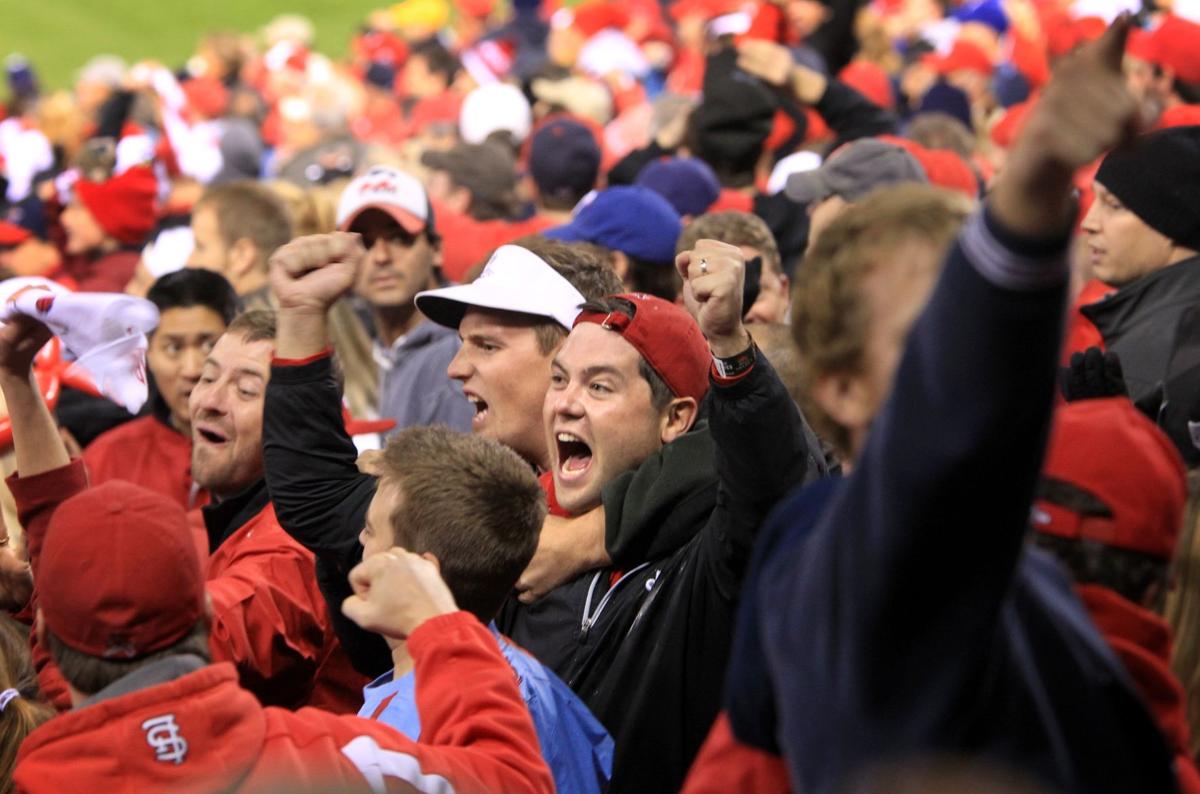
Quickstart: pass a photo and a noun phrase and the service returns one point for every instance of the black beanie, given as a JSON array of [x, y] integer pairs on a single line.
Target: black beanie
[[1158, 180]]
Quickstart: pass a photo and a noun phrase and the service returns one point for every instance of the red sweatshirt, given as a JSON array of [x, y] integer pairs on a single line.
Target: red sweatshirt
[[269, 617], [202, 732]]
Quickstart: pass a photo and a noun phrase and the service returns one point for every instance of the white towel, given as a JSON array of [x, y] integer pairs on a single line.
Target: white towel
[[104, 332]]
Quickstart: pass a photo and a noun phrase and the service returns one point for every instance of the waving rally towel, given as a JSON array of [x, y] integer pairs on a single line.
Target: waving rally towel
[[104, 332]]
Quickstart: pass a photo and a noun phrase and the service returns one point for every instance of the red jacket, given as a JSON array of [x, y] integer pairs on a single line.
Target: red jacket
[[108, 273], [1142, 641], [147, 452], [269, 618], [725, 764], [202, 732]]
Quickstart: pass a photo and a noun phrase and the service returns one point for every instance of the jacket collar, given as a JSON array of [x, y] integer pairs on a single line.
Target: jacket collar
[[153, 674], [1178, 283], [227, 516]]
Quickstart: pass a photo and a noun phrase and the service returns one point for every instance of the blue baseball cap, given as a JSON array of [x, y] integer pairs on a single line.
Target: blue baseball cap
[[688, 184], [633, 220]]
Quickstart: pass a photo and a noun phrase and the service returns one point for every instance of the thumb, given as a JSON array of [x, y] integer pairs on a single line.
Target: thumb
[[1109, 49]]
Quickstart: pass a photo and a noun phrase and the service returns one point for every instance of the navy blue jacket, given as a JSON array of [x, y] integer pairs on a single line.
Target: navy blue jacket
[[900, 614]]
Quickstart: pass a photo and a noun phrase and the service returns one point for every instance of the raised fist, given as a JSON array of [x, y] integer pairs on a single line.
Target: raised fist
[[713, 276], [311, 273], [394, 592]]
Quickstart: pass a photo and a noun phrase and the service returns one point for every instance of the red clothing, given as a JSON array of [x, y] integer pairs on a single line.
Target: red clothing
[[269, 617], [1081, 333], [725, 764], [467, 242], [202, 732], [147, 452], [1142, 641], [733, 199], [270, 620], [108, 273]]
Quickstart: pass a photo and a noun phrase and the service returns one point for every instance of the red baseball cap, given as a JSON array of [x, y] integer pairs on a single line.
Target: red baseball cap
[[11, 234], [667, 338], [127, 578], [1107, 448], [123, 205]]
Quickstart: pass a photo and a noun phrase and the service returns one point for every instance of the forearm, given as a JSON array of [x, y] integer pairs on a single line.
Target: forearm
[[301, 334], [319, 494], [38, 445]]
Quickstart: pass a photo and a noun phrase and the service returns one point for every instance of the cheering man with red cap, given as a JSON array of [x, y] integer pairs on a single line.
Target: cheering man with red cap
[[122, 606]]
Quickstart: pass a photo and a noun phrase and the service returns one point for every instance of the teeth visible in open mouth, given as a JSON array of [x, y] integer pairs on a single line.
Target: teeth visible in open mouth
[[574, 454], [480, 405]]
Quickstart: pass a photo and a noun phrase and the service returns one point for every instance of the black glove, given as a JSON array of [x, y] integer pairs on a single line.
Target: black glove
[[1091, 374]]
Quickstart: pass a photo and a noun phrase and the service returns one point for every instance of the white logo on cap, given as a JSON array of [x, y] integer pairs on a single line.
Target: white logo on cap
[[162, 734]]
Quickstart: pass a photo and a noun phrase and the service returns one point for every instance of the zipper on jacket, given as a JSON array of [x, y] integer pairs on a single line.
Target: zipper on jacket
[[589, 619]]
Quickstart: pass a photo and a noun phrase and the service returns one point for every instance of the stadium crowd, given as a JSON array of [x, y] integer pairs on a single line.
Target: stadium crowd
[[654, 396]]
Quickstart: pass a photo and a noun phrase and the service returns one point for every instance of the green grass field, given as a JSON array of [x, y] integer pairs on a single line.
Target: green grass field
[[59, 36]]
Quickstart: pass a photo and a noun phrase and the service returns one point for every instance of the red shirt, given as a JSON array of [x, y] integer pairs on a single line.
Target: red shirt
[[147, 452]]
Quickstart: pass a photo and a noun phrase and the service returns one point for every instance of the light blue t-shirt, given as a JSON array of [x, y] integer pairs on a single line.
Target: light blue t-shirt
[[574, 744]]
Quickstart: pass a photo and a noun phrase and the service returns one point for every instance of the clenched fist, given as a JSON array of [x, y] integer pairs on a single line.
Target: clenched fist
[[309, 274], [396, 591], [713, 275]]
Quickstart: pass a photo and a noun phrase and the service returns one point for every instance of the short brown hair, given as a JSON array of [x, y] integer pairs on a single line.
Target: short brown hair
[[89, 674], [256, 325], [249, 210], [830, 318], [579, 263], [735, 228], [469, 501]]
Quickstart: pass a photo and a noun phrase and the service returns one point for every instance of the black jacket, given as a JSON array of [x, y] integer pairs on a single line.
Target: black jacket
[[646, 648], [1138, 322]]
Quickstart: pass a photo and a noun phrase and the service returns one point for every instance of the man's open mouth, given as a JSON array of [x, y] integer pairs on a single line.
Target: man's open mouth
[[574, 455]]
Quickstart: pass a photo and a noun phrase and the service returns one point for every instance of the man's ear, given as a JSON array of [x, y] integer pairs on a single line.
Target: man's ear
[[429, 555], [679, 417], [459, 200], [845, 399], [620, 263], [243, 259]]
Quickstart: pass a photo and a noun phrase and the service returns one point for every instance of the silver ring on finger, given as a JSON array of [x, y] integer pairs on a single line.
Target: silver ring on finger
[[703, 266]]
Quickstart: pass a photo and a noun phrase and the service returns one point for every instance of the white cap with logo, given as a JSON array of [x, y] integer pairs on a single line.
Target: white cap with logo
[[388, 189], [515, 280]]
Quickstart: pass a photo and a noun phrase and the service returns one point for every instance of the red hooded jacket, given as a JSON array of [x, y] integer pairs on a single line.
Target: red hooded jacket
[[269, 618], [202, 732], [1142, 641]]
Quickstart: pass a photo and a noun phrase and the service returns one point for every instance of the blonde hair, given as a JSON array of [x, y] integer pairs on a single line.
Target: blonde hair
[[830, 319], [25, 712]]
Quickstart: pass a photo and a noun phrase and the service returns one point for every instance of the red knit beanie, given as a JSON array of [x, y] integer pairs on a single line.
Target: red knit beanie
[[123, 205]]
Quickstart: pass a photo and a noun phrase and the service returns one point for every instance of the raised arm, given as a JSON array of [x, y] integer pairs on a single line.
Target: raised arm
[[320, 496], [891, 606]]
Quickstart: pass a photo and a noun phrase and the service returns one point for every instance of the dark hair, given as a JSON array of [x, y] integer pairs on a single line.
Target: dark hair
[[257, 325], [579, 263], [469, 501], [190, 287], [660, 393], [89, 674], [1131, 574], [654, 278], [249, 210], [439, 59]]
